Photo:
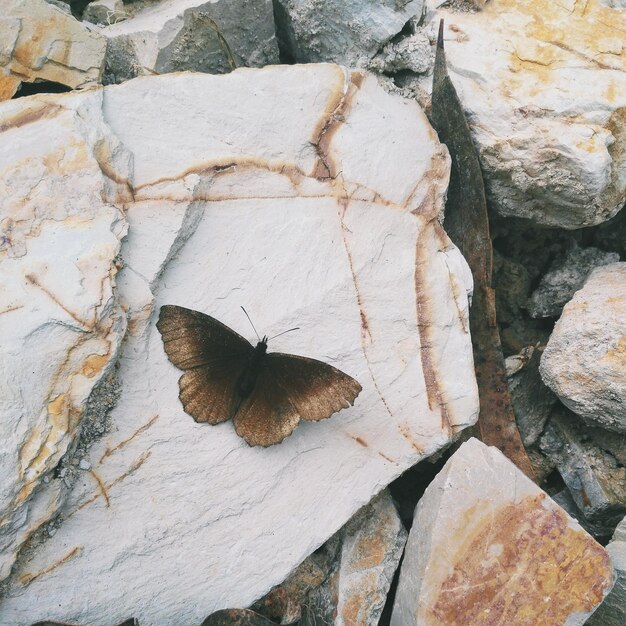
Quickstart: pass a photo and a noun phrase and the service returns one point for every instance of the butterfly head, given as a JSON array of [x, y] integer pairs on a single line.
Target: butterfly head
[[262, 345]]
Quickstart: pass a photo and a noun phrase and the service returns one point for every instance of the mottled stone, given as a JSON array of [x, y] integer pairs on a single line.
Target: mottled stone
[[584, 362], [213, 36], [487, 546], [40, 41], [343, 31], [60, 323], [565, 277], [544, 87], [277, 203], [594, 477]]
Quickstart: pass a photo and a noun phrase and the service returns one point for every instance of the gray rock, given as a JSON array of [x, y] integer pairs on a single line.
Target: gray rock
[[211, 36], [413, 53], [532, 400], [350, 32], [566, 275], [584, 362], [594, 477], [612, 612], [599, 530]]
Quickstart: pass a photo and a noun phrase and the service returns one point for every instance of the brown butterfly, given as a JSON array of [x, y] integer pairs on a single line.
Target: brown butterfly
[[266, 395]]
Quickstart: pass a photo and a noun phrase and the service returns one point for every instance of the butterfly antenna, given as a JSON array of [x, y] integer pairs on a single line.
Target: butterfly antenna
[[251, 324], [284, 331]]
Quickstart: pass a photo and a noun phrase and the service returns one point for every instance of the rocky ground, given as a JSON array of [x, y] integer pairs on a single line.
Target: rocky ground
[[310, 188]]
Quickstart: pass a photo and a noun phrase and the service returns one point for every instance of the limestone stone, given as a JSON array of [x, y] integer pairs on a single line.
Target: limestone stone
[[60, 323], [310, 196], [584, 362], [212, 36], [564, 278], [488, 546], [39, 41], [544, 89], [351, 32]]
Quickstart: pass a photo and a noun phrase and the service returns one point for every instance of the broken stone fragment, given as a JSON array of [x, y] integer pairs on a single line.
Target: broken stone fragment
[[612, 612], [584, 362], [564, 278], [594, 476], [413, 53], [532, 400], [544, 89], [350, 32], [39, 41], [488, 546], [347, 581], [212, 36], [317, 209]]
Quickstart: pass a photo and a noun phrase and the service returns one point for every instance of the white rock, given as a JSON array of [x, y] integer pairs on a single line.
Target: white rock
[[316, 208], [212, 36], [344, 31], [39, 41], [544, 86], [584, 362], [60, 325], [488, 546]]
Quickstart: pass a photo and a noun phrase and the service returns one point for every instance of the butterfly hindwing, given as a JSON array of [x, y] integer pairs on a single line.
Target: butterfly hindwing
[[267, 416], [213, 357], [316, 389]]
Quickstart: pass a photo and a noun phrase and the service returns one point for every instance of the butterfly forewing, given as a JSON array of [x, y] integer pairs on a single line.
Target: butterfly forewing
[[192, 339], [315, 389]]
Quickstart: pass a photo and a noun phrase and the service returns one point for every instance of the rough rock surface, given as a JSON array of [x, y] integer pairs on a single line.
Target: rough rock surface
[[60, 324], [39, 41], [544, 86], [487, 546], [213, 36], [612, 612], [105, 12], [584, 362], [372, 545], [318, 210], [532, 400], [564, 278], [344, 31], [594, 476]]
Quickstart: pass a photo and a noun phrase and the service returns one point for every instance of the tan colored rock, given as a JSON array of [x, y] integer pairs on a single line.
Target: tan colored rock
[[39, 41], [488, 547], [584, 362]]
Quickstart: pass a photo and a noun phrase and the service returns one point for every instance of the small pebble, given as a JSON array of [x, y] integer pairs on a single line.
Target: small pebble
[[84, 464]]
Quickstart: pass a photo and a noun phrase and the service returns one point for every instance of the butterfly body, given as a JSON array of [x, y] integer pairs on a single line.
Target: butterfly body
[[265, 394], [248, 378]]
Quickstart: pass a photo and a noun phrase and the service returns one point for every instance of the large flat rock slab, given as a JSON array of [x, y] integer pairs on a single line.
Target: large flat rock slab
[[488, 547], [310, 196]]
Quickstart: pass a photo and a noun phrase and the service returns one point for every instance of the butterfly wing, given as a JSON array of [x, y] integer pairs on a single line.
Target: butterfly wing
[[213, 357], [290, 388], [316, 389], [267, 416]]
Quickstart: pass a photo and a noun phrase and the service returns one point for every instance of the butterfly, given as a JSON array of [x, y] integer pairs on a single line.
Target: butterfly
[[226, 377]]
